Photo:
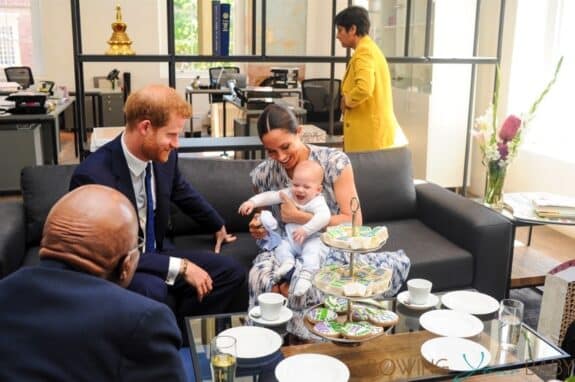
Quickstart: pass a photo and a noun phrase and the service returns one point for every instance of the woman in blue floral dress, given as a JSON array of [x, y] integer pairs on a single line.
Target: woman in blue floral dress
[[280, 135]]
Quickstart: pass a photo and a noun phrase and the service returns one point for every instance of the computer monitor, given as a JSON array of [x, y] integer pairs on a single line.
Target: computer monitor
[[20, 74], [239, 79]]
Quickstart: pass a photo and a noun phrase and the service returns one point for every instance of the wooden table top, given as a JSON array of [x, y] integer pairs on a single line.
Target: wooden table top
[[398, 357]]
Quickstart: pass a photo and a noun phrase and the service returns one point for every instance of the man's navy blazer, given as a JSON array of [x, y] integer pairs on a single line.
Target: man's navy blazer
[[108, 166], [58, 324]]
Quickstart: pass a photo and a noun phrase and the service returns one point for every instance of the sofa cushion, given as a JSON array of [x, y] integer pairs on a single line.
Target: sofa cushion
[[244, 249], [41, 187], [384, 184], [12, 236], [32, 256], [432, 256], [224, 183]]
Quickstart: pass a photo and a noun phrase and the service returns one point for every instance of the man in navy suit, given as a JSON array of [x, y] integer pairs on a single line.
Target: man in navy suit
[[70, 318], [142, 163]]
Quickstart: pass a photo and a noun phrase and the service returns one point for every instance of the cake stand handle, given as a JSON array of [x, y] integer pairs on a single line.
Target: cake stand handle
[[351, 256], [349, 310], [354, 207]]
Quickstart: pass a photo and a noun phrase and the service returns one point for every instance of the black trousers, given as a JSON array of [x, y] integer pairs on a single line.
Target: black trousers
[[229, 286]]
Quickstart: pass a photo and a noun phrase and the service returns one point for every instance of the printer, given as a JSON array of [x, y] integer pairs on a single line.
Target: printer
[[27, 103]]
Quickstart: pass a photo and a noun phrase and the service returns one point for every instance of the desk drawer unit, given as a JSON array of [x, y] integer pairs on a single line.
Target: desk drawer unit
[[112, 109]]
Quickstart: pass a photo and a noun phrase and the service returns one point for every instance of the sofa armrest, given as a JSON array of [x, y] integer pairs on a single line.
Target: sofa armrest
[[486, 234], [12, 236]]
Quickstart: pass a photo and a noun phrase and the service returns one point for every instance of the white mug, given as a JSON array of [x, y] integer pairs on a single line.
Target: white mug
[[419, 290], [271, 305]]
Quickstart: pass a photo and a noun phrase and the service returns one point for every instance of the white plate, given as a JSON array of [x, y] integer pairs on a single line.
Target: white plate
[[470, 302], [311, 368], [285, 315], [403, 299], [451, 323], [253, 341], [456, 354]]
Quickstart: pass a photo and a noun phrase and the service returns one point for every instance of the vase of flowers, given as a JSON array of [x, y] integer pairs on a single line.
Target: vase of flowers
[[499, 143], [495, 178]]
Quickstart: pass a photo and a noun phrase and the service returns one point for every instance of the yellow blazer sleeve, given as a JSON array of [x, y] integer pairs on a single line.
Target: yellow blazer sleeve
[[362, 72]]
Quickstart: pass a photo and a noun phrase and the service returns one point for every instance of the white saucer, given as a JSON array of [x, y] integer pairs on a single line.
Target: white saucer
[[403, 298], [253, 342], [456, 354], [451, 323], [470, 302], [285, 315], [310, 367]]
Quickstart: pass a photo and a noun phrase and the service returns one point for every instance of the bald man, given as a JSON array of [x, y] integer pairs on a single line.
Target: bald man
[[142, 163], [70, 318]]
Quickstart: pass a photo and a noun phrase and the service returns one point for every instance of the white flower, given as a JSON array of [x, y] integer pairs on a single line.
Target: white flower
[[483, 122], [491, 153]]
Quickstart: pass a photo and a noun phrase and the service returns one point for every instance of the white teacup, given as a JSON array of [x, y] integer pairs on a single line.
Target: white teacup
[[271, 305], [419, 290]]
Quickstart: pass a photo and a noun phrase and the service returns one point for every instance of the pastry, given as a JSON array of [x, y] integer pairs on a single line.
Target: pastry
[[331, 329], [316, 315], [354, 289], [381, 317], [367, 281], [366, 238], [359, 313], [357, 330], [337, 304]]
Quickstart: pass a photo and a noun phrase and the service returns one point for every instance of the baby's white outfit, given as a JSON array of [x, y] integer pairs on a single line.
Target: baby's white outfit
[[288, 249]]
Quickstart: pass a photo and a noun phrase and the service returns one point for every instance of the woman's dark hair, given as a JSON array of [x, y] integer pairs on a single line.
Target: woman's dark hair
[[353, 15], [276, 116]]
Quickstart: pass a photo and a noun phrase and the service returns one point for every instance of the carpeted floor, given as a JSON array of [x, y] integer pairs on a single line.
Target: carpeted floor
[[531, 297]]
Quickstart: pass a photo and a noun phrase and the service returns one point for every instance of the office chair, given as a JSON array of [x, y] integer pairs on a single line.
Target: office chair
[[20, 74], [217, 75], [315, 94]]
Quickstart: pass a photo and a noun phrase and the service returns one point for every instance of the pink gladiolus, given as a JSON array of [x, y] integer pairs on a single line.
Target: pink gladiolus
[[510, 127], [503, 150]]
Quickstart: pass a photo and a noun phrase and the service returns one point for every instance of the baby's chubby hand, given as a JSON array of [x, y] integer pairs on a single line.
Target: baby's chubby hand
[[299, 235], [246, 208]]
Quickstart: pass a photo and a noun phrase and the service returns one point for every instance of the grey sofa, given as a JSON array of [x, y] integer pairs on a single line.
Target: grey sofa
[[453, 241]]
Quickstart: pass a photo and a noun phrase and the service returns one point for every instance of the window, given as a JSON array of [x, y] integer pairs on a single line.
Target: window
[[544, 32], [15, 33], [192, 29]]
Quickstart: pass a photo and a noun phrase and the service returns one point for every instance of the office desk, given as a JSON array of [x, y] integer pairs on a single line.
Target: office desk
[[250, 145], [250, 91], [190, 91], [50, 127], [249, 114], [208, 144], [29, 140]]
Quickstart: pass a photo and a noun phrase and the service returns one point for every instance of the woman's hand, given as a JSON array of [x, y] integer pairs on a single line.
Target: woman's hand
[[289, 211], [256, 228], [342, 105], [223, 237]]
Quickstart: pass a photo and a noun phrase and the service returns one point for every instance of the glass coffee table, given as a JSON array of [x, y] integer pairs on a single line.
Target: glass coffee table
[[392, 357]]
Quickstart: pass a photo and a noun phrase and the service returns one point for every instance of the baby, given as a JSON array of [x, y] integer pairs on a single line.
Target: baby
[[301, 240]]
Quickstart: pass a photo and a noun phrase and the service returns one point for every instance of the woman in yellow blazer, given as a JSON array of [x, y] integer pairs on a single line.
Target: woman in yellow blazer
[[367, 105]]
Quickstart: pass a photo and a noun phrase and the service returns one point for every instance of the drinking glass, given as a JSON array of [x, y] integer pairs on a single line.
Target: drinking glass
[[223, 358], [510, 317]]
